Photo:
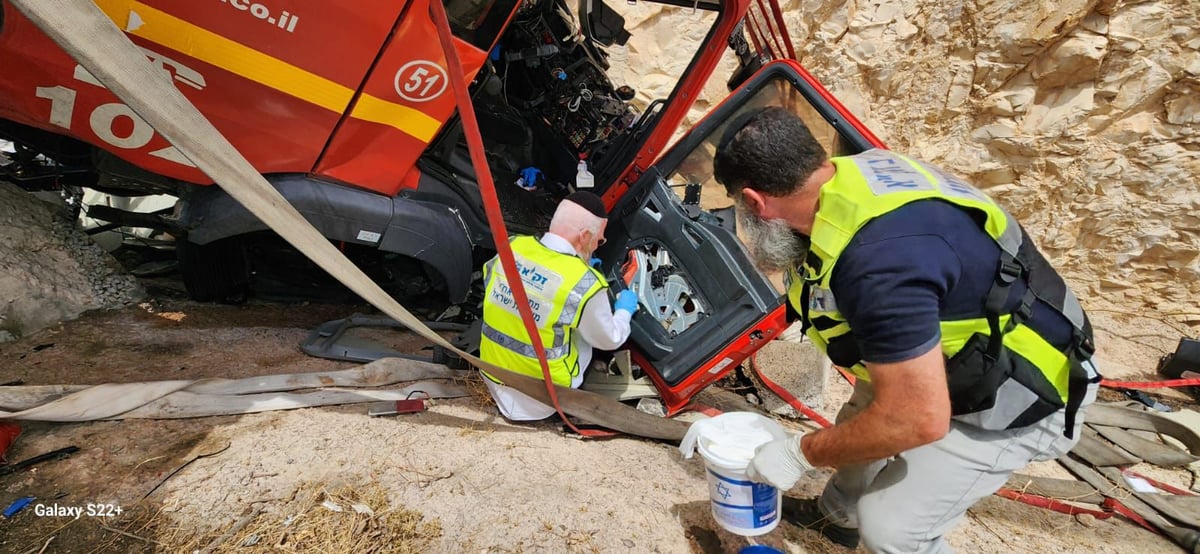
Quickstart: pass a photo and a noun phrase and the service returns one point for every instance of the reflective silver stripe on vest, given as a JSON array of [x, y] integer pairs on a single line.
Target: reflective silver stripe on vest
[[952, 186], [575, 298], [487, 269], [821, 300], [558, 348], [515, 345], [1072, 310], [1010, 240], [1012, 399], [886, 172]]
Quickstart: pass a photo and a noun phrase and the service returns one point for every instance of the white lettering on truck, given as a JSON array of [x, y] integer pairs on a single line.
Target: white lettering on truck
[[284, 20], [133, 132]]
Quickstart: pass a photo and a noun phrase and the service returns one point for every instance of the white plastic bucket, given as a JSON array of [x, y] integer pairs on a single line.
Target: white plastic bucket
[[727, 443]]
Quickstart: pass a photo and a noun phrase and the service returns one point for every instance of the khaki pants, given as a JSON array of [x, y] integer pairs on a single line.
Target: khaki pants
[[908, 502]]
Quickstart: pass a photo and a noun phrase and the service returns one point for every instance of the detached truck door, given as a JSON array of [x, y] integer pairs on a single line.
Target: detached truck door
[[703, 306]]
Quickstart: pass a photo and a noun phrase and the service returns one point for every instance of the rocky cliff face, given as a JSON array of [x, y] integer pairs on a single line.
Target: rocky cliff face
[[1081, 116]]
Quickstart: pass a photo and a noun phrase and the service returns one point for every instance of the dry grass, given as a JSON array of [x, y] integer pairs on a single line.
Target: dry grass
[[478, 391], [312, 522]]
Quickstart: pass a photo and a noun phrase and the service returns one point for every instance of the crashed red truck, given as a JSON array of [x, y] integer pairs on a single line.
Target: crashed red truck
[[346, 110]]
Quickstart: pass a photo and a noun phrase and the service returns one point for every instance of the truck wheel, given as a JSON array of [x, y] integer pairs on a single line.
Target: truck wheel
[[215, 272]]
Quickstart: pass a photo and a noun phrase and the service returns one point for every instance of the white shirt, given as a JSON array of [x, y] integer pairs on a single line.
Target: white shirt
[[598, 327]]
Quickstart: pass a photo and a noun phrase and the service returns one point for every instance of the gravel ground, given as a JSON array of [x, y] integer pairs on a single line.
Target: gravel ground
[[50, 271]]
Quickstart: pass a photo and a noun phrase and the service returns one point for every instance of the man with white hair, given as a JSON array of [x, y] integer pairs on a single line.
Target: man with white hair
[[561, 283]]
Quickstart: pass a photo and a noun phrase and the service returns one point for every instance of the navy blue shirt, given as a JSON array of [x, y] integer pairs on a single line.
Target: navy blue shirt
[[907, 270]]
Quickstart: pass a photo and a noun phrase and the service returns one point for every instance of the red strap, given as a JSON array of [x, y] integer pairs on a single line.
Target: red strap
[[1110, 504], [1050, 504], [491, 204], [786, 396], [849, 377], [703, 409], [1118, 507], [1171, 383], [9, 431], [1161, 485]]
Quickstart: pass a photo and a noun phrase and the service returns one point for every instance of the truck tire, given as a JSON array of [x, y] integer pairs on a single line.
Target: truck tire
[[215, 272]]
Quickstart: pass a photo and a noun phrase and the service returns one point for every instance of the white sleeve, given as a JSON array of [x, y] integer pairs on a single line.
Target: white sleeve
[[600, 327]]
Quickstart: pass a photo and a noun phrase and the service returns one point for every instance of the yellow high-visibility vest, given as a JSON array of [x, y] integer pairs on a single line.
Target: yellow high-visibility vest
[[1030, 378], [558, 286]]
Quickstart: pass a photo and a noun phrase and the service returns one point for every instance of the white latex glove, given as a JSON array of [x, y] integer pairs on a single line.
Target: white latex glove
[[779, 463]]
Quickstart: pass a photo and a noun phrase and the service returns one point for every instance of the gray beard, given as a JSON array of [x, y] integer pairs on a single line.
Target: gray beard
[[773, 245]]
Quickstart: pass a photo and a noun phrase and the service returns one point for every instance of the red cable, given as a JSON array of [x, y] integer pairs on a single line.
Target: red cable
[[1150, 384], [1169, 488], [752, 30], [1050, 503], [491, 204], [1118, 507], [786, 396], [849, 377], [1115, 506]]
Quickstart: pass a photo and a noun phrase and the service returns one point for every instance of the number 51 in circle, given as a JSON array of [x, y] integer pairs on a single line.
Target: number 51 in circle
[[420, 81]]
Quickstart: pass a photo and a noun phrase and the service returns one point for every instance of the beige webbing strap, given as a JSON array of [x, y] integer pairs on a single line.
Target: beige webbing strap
[[173, 399], [90, 37]]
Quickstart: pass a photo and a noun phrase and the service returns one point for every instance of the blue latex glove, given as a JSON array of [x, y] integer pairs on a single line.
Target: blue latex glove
[[595, 262], [529, 178], [626, 300]]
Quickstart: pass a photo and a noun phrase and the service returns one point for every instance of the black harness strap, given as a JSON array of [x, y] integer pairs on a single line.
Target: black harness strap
[[1082, 349], [1042, 283], [1047, 287], [1007, 273], [805, 289]]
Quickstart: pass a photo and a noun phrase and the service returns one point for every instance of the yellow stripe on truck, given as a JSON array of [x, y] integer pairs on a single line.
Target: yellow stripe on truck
[[159, 27], [413, 122]]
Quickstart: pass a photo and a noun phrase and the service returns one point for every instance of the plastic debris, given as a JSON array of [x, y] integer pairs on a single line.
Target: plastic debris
[[17, 506], [331, 506]]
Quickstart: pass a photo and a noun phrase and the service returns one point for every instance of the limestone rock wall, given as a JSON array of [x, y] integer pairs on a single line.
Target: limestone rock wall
[[1081, 116]]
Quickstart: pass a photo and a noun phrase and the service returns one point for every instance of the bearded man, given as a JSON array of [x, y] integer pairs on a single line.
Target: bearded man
[[972, 356]]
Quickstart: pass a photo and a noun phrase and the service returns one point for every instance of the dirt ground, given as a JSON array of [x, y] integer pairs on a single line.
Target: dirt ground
[[467, 480]]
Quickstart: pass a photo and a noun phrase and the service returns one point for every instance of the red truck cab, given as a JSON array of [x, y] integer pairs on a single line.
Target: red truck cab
[[347, 110]]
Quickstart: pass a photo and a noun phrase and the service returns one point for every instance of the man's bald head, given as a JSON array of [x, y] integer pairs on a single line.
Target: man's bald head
[[580, 218], [571, 218]]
